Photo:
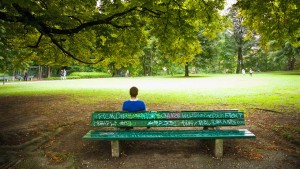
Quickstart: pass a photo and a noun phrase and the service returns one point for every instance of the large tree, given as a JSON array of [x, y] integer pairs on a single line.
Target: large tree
[[111, 30], [276, 21], [273, 19], [239, 33]]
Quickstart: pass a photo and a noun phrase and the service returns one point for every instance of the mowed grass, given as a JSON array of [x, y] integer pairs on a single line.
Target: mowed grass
[[268, 91]]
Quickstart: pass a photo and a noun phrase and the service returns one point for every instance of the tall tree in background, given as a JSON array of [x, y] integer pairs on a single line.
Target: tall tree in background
[[111, 31], [226, 53], [151, 52], [275, 20], [285, 58], [239, 32]]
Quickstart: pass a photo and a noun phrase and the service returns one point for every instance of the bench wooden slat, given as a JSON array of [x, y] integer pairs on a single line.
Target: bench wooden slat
[[4, 78], [158, 120], [225, 114], [168, 123], [167, 134]]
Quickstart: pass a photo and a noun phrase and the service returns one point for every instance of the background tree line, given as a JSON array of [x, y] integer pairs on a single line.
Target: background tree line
[[150, 37]]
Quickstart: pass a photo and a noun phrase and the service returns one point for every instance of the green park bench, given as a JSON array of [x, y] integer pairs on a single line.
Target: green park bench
[[4, 78], [22, 77], [160, 123]]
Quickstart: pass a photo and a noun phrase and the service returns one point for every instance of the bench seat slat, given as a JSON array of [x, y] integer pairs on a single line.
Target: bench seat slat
[[224, 114], [168, 123], [167, 134]]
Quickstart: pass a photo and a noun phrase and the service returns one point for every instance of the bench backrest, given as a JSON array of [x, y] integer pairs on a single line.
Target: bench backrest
[[168, 119]]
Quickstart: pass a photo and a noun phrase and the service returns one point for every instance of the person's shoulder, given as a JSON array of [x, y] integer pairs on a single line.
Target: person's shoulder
[[141, 102], [126, 102]]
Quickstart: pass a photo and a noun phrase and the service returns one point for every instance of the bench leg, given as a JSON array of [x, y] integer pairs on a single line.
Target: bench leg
[[115, 148], [218, 147]]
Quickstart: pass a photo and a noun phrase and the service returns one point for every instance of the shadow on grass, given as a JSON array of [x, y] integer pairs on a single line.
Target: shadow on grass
[[297, 72], [186, 77]]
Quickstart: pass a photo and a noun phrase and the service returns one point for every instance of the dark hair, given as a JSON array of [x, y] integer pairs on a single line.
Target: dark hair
[[133, 91]]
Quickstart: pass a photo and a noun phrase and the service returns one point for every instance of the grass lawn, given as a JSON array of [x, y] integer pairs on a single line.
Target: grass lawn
[[269, 91], [42, 122]]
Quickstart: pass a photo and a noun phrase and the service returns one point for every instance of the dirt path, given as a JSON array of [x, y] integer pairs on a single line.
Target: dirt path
[[42, 132]]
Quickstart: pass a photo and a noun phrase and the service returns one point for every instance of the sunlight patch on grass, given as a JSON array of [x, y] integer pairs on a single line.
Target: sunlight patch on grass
[[264, 90]]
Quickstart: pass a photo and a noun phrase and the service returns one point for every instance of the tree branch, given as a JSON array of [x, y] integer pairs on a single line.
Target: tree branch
[[153, 12], [37, 43], [208, 14], [28, 18], [75, 19], [204, 3], [54, 41], [5, 17]]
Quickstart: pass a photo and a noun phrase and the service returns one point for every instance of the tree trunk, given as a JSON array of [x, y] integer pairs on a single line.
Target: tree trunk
[[144, 65], [151, 63], [240, 64], [186, 69], [291, 63], [14, 75], [4, 78], [40, 72], [112, 69], [49, 71]]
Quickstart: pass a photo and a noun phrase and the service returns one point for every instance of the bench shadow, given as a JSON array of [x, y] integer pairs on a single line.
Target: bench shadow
[[165, 147]]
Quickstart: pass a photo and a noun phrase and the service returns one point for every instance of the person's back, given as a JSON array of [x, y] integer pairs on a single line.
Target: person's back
[[133, 104], [25, 75]]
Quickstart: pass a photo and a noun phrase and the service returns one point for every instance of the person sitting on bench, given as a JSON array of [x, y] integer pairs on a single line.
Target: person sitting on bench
[[133, 105]]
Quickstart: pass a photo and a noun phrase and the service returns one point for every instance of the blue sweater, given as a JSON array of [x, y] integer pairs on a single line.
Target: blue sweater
[[133, 106]]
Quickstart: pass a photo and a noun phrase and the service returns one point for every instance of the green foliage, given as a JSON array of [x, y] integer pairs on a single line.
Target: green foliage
[[226, 53], [88, 75], [273, 20], [218, 55], [149, 37], [86, 68], [272, 58], [287, 55], [82, 75], [54, 32], [10, 57]]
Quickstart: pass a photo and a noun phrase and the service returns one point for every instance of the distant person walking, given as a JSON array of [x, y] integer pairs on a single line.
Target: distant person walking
[[25, 75], [64, 74], [243, 72], [127, 73], [61, 74], [251, 72]]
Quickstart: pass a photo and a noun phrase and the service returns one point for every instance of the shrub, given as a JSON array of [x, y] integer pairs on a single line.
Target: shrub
[[88, 75], [82, 75], [53, 78]]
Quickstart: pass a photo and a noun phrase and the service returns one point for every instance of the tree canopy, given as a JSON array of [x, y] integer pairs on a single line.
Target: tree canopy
[[91, 32], [131, 33], [273, 19]]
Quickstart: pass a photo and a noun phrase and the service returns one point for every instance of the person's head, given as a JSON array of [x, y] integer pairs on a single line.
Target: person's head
[[134, 91]]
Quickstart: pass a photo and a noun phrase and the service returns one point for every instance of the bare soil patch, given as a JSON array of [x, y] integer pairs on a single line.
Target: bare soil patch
[[46, 132]]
